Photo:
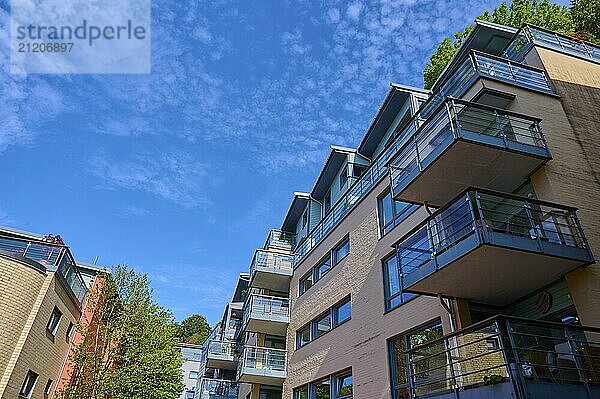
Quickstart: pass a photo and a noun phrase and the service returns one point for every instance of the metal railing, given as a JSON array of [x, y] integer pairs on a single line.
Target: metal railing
[[456, 119], [531, 35], [211, 388], [478, 65], [264, 306], [222, 349], [270, 261], [515, 355], [484, 212], [260, 358], [50, 255], [280, 239]]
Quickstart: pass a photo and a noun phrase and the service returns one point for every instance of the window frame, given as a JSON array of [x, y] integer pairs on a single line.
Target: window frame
[[387, 296], [304, 218], [309, 276], [193, 378], [23, 393], [331, 380], [397, 218], [334, 252], [344, 176], [337, 378], [54, 322], [311, 326], [330, 257], [48, 387], [315, 332], [299, 340], [336, 309]]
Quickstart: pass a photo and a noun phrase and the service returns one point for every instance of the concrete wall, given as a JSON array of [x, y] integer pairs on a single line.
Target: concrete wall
[[27, 299]]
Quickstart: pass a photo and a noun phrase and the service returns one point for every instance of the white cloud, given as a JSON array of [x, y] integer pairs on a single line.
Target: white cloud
[[353, 11]]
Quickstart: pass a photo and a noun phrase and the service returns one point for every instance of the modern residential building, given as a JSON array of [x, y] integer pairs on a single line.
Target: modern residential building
[[451, 254], [41, 297], [190, 369]]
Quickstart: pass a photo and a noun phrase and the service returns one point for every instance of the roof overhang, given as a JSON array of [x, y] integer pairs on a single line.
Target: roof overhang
[[486, 37], [394, 100], [296, 208], [336, 159]]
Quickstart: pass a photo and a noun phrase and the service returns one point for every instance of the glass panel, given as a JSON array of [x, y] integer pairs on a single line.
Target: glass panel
[[323, 325], [323, 389], [303, 336], [301, 393], [344, 386], [306, 282], [343, 312], [323, 268], [340, 252]]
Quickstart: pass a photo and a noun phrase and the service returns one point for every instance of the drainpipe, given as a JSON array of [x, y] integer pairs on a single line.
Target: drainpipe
[[446, 304]]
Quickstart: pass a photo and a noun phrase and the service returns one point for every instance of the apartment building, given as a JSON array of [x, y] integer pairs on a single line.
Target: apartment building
[[41, 297], [451, 254], [190, 369]]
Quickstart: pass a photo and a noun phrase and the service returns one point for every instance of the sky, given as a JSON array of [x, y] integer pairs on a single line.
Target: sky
[[182, 172]]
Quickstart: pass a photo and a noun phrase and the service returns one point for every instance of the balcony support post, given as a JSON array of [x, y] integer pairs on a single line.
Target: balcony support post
[[580, 367], [500, 129], [520, 382], [416, 143], [534, 228], [451, 366], [483, 231]]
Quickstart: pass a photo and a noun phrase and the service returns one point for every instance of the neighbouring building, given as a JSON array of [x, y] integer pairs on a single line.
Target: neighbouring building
[[41, 295], [450, 255], [190, 369]]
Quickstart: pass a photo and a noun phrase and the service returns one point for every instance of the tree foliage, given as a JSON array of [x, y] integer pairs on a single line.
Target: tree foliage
[[586, 19], [128, 344], [194, 330], [541, 13]]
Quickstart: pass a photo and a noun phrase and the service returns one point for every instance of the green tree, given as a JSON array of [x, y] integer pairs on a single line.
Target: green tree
[[586, 19], [194, 330], [542, 13], [128, 344]]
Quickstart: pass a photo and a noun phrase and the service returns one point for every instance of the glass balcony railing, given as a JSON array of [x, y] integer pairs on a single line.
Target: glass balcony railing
[[548, 236], [280, 239], [262, 361], [267, 308], [225, 350], [531, 35], [268, 261], [479, 65], [51, 255], [507, 357], [218, 389], [461, 120]]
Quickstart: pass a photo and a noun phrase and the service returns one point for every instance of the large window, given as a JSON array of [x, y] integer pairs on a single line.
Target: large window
[[398, 347], [392, 287], [28, 384], [54, 321], [336, 386], [392, 212], [336, 315], [193, 375], [317, 272]]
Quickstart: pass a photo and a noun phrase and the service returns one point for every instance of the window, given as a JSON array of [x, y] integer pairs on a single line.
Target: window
[[322, 268], [69, 330], [393, 294], [358, 170], [343, 177], [327, 202], [54, 321], [189, 395], [342, 312], [304, 218], [193, 375], [343, 386], [392, 212], [48, 387], [323, 389], [28, 384], [306, 282], [322, 325], [303, 336], [341, 251], [301, 393], [398, 359]]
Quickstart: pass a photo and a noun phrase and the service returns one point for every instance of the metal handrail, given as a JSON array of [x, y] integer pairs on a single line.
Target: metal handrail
[[263, 358], [271, 260], [279, 236], [272, 305]]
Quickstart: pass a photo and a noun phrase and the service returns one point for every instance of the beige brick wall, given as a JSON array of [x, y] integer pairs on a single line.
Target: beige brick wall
[[29, 298], [360, 343]]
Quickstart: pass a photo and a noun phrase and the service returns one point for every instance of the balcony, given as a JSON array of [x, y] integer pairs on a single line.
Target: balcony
[[280, 240], [466, 144], [218, 389], [479, 65], [222, 355], [271, 270], [52, 255], [262, 366], [267, 314], [506, 357], [491, 248]]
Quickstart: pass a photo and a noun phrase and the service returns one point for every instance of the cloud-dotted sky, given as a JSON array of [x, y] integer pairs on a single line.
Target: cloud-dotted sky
[[181, 173]]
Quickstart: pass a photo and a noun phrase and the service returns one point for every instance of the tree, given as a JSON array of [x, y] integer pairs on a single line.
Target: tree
[[586, 19], [537, 12], [128, 345], [194, 330]]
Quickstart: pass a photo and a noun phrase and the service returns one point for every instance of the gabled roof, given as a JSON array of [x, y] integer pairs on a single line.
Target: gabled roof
[[396, 97], [486, 37], [296, 208], [336, 158]]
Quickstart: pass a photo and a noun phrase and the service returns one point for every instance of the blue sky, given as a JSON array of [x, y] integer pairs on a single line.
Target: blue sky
[[181, 173]]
